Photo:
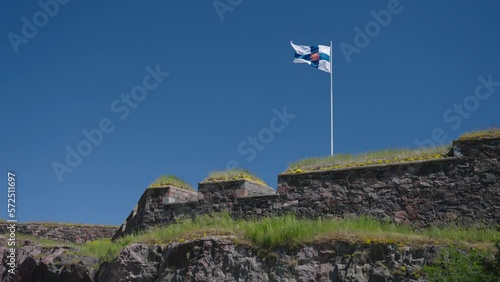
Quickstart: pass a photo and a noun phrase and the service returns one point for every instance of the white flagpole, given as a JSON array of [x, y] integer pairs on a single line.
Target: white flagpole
[[331, 99]]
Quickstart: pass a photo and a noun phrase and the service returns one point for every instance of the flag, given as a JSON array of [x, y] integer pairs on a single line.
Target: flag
[[317, 56]]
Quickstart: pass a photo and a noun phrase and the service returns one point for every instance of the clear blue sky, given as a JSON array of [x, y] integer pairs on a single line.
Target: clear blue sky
[[225, 78]]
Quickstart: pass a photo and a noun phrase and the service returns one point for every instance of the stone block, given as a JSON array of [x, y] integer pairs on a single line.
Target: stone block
[[283, 189], [239, 193]]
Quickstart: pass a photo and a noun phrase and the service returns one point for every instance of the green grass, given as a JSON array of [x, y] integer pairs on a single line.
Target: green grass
[[233, 174], [164, 180], [21, 238], [493, 132], [103, 249], [366, 159]]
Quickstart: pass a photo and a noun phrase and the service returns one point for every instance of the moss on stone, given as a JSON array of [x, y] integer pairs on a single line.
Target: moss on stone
[[381, 157], [233, 174], [493, 132], [173, 180]]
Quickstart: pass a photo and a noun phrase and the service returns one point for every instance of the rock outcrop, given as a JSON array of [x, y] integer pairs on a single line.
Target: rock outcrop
[[220, 259], [38, 263]]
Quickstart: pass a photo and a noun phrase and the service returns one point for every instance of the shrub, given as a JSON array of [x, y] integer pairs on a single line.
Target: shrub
[[494, 266], [456, 265]]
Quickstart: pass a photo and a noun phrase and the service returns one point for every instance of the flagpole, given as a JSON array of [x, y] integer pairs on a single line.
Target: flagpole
[[331, 99]]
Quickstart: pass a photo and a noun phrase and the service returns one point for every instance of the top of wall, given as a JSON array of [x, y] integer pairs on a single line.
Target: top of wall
[[461, 148]]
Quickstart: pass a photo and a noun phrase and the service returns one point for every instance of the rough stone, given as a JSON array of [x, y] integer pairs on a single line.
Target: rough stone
[[38, 263], [219, 259]]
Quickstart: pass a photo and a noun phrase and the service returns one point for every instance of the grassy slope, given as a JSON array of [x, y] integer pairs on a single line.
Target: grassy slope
[[288, 231]]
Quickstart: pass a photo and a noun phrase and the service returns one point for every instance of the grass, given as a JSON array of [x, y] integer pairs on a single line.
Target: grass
[[20, 238], [233, 174], [103, 249], [164, 180], [367, 159], [287, 231], [493, 132]]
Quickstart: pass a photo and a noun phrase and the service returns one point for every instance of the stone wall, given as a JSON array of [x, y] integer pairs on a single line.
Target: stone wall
[[178, 195], [63, 232], [229, 190], [152, 208], [462, 189]]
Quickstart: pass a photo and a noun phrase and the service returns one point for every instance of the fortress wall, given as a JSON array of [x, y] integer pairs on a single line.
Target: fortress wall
[[460, 190]]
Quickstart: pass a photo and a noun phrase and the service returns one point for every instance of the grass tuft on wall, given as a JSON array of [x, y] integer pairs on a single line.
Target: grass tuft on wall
[[233, 174], [173, 180], [381, 157], [493, 132]]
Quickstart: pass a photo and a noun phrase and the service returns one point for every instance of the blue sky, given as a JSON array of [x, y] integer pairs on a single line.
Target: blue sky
[[414, 77]]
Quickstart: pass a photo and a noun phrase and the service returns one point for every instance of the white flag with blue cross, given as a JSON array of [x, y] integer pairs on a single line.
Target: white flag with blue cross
[[317, 56]]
